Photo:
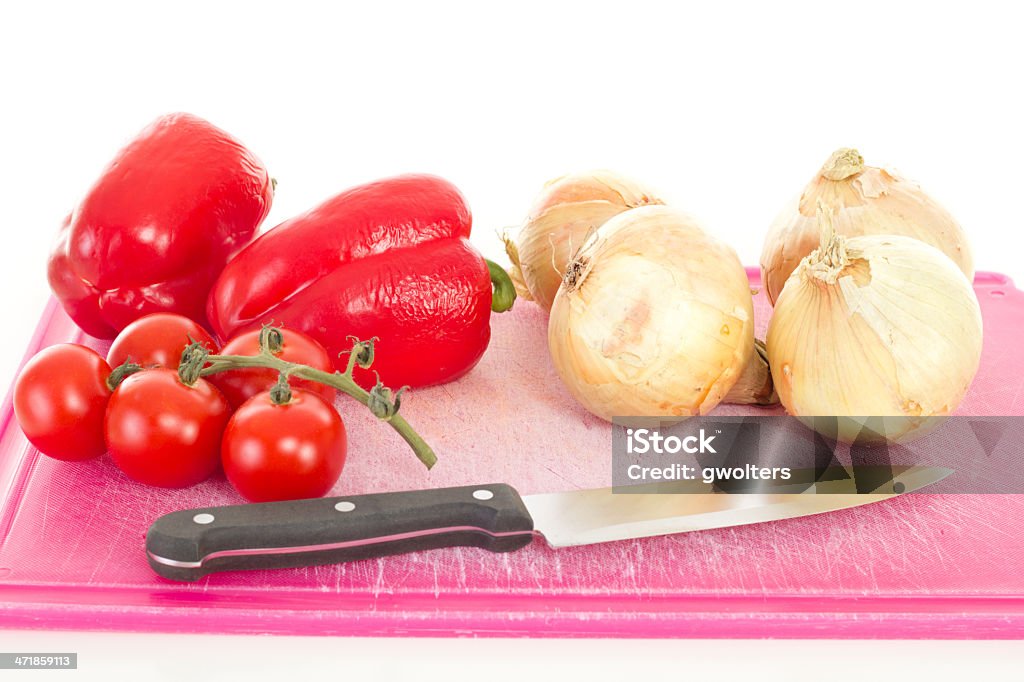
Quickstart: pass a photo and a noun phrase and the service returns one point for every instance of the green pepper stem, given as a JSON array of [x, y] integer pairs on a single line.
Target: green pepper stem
[[504, 290], [341, 381]]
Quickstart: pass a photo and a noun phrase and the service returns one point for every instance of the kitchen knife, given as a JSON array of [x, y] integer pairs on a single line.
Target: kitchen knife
[[187, 545]]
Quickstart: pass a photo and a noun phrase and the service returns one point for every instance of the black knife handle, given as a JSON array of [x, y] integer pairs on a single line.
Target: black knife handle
[[187, 545]]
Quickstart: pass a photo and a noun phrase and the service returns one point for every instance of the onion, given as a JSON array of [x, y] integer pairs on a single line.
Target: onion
[[654, 318], [561, 219], [875, 326], [867, 200]]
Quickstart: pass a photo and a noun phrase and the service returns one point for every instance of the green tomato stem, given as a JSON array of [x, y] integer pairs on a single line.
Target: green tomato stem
[[342, 381], [122, 372]]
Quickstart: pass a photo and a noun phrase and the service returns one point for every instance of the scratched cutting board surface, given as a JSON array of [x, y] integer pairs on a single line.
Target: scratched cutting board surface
[[71, 534]]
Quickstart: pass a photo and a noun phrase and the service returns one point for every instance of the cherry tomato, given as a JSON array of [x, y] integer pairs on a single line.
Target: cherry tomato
[[161, 432], [60, 399], [284, 452], [157, 340], [238, 385]]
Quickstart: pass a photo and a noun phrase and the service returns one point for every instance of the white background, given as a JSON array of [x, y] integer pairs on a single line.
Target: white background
[[726, 108]]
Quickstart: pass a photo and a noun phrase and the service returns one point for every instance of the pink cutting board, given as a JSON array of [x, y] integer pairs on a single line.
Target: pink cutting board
[[71, 535]]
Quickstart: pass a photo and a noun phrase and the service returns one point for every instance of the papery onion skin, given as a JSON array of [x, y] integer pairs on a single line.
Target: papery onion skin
[[567, 211], [867, 200], [655, 318], [889, 327]]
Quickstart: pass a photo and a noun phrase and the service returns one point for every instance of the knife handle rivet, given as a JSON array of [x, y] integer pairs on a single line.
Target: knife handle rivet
[[483, 494], [203, 519], [344, 506]]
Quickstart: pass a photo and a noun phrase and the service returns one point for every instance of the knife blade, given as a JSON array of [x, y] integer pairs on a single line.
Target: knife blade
[[187, 545]]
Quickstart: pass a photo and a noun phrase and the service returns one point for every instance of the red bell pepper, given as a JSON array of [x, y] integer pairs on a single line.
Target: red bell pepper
[[158, 226], [390, 259]]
